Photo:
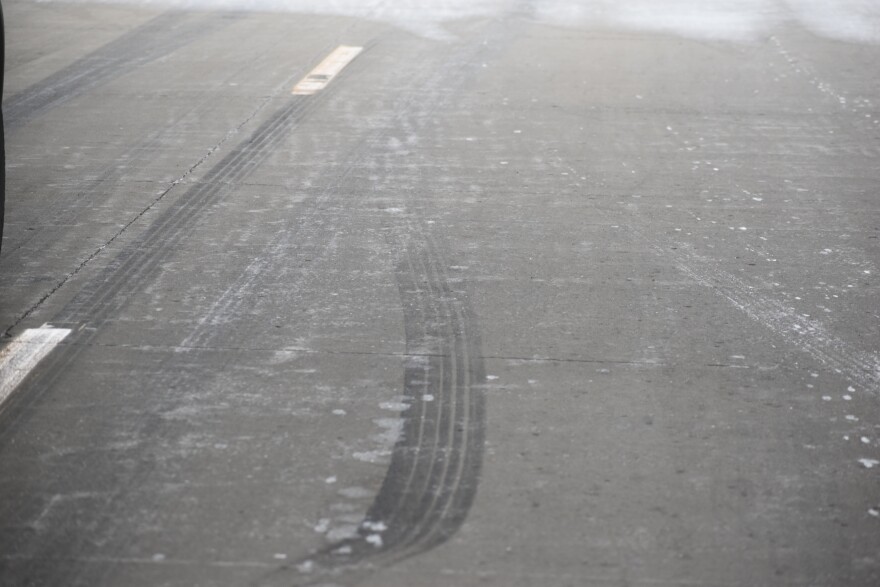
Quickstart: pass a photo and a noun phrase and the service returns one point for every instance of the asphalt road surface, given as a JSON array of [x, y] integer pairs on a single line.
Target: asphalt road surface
[[410, 294]]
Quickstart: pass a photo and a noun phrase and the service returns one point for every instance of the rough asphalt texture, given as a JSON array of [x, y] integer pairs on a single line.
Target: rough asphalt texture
[[508, 304]]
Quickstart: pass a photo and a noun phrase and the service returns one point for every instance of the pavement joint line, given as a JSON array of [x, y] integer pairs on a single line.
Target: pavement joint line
[[24, 353], [146, 561], [318, 79], [182, 348]]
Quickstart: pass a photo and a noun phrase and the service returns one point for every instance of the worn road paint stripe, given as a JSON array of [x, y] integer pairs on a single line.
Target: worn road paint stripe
[[23, 354], [318, 78]]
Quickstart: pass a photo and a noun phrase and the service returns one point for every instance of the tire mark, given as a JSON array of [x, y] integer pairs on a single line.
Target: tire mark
[[156, 38], [431, 504], [435, 465]]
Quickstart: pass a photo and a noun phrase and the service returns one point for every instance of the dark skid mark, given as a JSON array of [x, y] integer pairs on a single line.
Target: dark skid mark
[[435, 466], [157, 38]]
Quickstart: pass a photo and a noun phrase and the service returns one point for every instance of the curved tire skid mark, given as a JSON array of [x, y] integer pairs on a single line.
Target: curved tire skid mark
[[426, 516], [433, 476], [152, 40]]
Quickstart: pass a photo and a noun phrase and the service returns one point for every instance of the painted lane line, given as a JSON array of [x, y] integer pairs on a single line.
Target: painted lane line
[[24, 353], [323, 74]]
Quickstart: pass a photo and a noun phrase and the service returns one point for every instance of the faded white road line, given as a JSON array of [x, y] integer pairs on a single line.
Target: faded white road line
[[318, 78], [24, 353]]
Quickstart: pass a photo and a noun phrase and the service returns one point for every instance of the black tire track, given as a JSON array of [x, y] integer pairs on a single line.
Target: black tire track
[[435, 465], [432, 503], [432, 482], [157, 38]]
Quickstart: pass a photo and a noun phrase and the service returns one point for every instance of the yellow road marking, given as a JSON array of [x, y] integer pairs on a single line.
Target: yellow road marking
[[318, 78]]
